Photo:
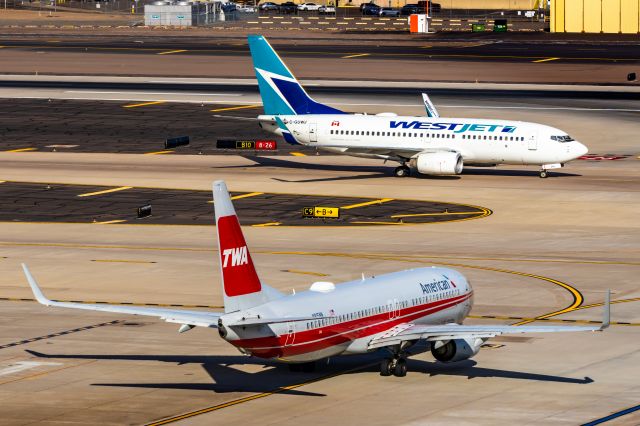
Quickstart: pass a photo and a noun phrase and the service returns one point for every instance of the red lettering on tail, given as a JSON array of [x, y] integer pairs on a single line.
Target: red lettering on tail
[[238, 273]]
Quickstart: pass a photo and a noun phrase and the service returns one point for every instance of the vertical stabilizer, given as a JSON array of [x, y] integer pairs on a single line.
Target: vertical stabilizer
[[281, 93], [241, 286]]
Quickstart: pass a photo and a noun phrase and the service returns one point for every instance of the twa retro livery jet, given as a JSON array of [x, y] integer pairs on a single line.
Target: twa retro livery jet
[[391, 311], [432, 145]]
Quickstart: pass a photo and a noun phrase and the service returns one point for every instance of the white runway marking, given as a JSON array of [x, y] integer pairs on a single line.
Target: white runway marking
[[149, 93], [24, 365], [234, 117]]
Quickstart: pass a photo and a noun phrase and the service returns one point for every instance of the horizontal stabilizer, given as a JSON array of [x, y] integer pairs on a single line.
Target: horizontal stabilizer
[[256, 321]]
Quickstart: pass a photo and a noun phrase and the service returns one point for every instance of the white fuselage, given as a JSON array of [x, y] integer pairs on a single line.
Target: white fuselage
[[352, 314], [479, 141]]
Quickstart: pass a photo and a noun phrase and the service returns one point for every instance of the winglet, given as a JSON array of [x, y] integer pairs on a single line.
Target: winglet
[[429, 106], [606, 320], [34, 287]]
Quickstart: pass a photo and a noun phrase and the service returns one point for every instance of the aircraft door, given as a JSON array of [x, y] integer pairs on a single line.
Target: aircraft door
[[392, 308], [290, 337], [313, 132], [532, 142]]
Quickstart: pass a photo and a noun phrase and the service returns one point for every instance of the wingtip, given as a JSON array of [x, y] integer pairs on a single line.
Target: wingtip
[[34, 286]]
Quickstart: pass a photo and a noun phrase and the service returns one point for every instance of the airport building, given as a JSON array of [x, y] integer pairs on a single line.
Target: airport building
[[595, 16]]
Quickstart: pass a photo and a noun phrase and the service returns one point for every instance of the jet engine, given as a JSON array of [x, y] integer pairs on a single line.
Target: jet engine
[[438, 163], [456, 350]]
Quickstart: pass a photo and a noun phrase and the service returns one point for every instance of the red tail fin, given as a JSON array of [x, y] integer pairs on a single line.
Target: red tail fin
[[238, 273], [240, 283]]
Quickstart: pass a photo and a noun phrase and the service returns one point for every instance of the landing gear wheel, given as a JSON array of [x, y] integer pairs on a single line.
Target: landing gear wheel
[[402, 171], [543, 174], [400, 369], [386, 367]]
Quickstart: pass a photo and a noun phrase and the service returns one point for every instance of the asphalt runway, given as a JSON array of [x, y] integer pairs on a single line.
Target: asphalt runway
[[494, 49], [510, 58], [547, 253], [119, 119], [29, 202]]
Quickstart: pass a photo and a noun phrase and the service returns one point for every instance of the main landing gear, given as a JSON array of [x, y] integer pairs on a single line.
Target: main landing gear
[[396, 366], [402, 171]]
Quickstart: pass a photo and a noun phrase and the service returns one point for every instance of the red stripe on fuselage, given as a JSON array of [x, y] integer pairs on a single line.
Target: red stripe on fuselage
[[336, 334]]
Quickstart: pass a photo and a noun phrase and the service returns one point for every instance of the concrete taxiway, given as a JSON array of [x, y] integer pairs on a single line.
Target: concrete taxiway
[[548, 253]]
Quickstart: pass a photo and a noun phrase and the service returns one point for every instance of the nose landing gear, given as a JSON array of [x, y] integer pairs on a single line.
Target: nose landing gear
[[543, 173]]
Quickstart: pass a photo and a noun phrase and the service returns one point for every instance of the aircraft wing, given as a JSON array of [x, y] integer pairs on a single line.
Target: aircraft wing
[[384, 152], [194, 318], [430, 333]]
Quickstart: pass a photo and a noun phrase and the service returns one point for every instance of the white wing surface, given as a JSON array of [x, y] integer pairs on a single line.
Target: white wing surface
[[194, 318], [413, 332]]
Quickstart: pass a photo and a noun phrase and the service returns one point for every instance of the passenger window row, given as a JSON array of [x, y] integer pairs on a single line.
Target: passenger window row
[[322, 322], [370, 133], [494, 138], [428, 135]]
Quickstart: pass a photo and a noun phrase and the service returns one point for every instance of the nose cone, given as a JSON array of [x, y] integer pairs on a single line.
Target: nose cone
[[581, 149]]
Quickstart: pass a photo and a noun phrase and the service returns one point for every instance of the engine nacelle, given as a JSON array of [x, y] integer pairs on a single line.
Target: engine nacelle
[[456, 350], [438, 163]]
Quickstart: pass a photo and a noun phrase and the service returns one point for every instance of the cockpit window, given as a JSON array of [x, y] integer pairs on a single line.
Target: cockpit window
[[562, 139]]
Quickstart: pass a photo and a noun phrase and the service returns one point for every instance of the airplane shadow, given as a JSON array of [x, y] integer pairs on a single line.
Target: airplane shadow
[[490, 171], [380, 171], [276, 376]]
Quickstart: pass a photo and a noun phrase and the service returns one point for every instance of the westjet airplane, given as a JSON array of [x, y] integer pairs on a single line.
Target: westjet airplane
[[431, 145], [392, 311]]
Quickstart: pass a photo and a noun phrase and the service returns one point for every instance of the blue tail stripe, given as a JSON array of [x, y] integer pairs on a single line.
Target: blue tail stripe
[[300, 101], [272, 103]]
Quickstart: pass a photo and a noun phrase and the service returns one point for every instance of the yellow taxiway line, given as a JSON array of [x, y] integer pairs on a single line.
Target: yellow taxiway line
[[256, 396], [234, 108], [250, 194], [356, 56], [298, 154], [546, 60], [434, 214], [122, 261], [108, 222], [238, 197], [158, 152], [258, 225], [143, 104], [169, 52], [106, 191], [22, 149], [368, 203]]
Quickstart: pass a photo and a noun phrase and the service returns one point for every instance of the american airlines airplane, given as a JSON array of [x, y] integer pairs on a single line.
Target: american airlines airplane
[[431, 145], [392, 311]]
